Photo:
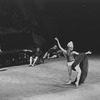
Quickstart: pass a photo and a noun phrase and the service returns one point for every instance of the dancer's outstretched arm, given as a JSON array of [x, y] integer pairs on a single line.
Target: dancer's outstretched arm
[[60, 45], [74, 52], [88, 52]]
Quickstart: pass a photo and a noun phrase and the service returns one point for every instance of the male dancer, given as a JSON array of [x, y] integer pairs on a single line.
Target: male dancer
[[70, 59]]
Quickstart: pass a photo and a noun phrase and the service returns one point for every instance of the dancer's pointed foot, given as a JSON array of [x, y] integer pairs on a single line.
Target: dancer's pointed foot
[[68, 82]]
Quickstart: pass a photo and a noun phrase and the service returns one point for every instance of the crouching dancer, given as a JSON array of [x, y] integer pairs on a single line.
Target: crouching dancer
[[36, 58], [72, 63]]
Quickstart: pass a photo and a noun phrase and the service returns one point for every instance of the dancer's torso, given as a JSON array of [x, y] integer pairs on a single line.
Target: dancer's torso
[[70, 56]]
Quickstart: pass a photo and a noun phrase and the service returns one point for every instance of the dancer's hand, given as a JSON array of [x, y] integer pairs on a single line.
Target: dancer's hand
[[56, 38], [89, 52]]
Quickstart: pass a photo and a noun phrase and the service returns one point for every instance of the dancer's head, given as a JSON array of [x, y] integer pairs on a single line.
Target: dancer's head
[[37, 49], [70, 45]]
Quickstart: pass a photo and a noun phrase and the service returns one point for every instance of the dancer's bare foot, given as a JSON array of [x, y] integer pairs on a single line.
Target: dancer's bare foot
[[68, 82]]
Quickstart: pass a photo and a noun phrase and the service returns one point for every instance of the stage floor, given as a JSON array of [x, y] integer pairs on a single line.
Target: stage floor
[[47, 82]]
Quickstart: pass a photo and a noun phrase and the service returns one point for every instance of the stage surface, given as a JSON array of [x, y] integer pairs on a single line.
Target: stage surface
[[47, 82]]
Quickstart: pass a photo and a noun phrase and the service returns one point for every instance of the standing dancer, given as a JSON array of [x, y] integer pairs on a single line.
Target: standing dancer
[[70, 59]]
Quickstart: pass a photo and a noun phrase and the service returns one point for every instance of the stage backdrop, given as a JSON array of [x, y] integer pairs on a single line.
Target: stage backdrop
[[76, 20], [16, 40]]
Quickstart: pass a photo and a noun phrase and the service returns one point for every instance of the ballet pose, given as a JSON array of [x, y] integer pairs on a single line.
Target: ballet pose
[[70, 61]]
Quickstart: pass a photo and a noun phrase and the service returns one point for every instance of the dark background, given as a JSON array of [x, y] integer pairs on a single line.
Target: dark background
[[27, 23]]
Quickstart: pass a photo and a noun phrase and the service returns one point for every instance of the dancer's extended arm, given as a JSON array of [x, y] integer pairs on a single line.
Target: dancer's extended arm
[[60, 45], [77, 53]]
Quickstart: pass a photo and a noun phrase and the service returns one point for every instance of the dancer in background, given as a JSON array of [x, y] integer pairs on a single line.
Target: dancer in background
[[70, 60], [51, 53], [36, 57]]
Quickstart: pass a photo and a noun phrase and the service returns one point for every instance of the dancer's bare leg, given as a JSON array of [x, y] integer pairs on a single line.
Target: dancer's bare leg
[[69, 71], [31, 60], [35, 59], [45, 55], [78, 75]]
